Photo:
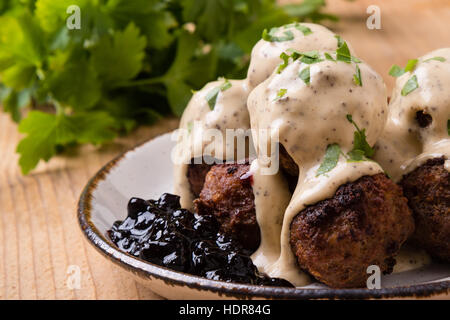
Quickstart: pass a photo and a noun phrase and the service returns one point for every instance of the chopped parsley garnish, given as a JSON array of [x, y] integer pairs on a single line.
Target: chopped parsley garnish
[[357, 77], [189, 127], [343, 53], [280, 94], [305, 57], [329, 57], [285, 57], [441, 59], [411, 65], [226, 85], [271, 37], [340, 41], [330, 160], [410, 85], [305, 75], [356, 60], [361, 151], [396, 71], [211, 96], [303, 29], [310, 57], [361, 148]]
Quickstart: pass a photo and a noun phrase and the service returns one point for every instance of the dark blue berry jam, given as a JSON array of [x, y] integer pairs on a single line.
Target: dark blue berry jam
[[161, 232]]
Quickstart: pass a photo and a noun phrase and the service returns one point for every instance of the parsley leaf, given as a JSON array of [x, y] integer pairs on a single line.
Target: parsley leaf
[[329, 57], [74, 81], [356, 155], [150, 17], [343, 53], [119, 57], [285, 57], [411, 65], [14, 101], [410, 85], [21, 50], [441, 59], [357, 77], [305, 57], [280, 94], [361, 148], [271, 37], [340, 41], [45, 132], [310, 57], [305, 30], [396, 71], [330, 160], [211, 96], [305, 75], [184, 69]]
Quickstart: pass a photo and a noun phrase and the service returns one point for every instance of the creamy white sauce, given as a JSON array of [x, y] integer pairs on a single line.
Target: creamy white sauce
[[271, 200], [404, 145], [265, 55], [410, 258]]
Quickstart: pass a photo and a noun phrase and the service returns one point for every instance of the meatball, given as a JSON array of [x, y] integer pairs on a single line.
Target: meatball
[[196, 174], [227, 194], [364, 223], [428, 191]]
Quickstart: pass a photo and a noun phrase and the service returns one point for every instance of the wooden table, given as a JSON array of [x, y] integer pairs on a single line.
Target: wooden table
[[39, 233]]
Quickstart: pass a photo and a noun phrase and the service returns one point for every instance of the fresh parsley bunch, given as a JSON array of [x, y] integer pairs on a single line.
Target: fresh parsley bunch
[[131, 62]]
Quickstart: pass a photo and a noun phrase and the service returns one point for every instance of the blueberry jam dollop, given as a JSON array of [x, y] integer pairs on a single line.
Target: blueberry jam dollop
[[161, 232]]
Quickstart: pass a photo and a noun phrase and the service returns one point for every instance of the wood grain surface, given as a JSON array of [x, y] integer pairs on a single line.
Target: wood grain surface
[[39, 232]]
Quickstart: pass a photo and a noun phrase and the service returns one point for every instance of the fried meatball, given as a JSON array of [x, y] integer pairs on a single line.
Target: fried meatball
[[228, 194], [428, 191], [196, 174], [364, 223]]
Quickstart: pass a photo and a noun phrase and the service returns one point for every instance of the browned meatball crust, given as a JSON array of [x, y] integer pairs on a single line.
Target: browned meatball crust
[[428, 191], [227, 193], [364, 223], [196, 174]]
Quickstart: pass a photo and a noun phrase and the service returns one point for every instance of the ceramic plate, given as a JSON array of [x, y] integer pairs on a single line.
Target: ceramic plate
[[146, 172]]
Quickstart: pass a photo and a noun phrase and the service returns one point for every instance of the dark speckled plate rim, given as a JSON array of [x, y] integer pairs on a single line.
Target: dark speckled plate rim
[[150, 271]]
